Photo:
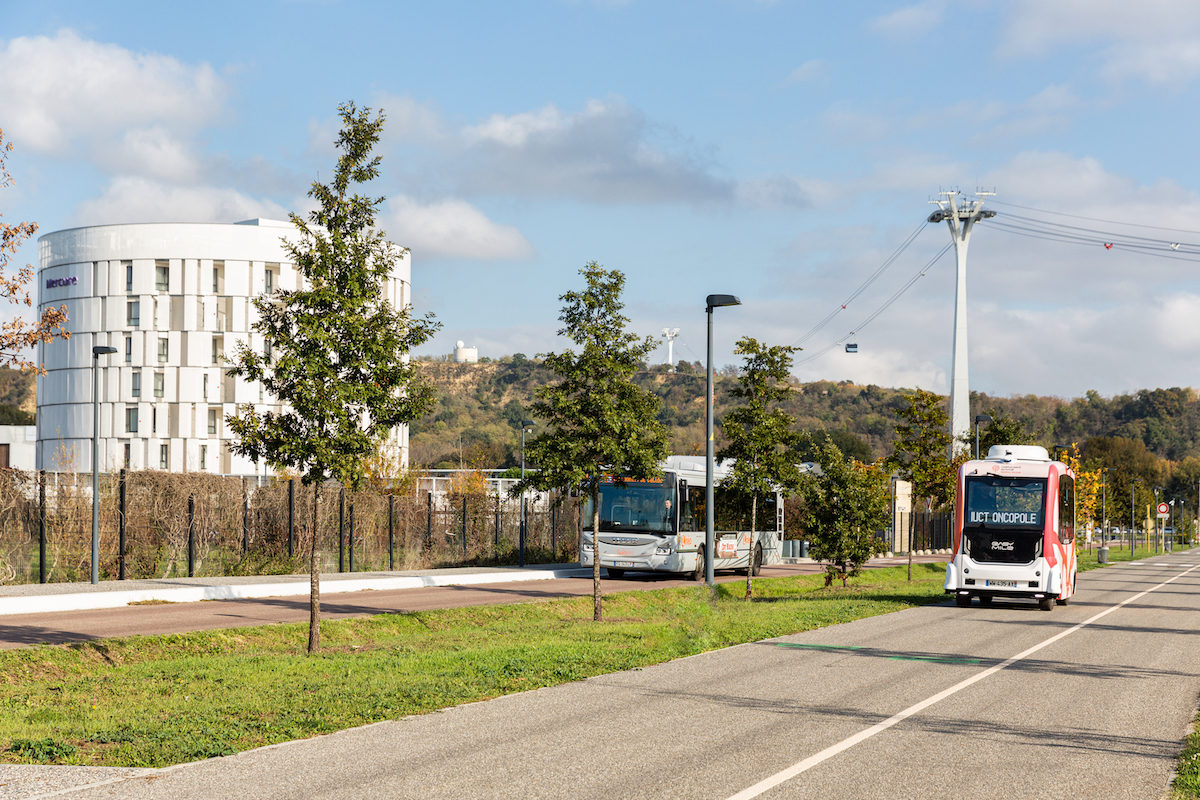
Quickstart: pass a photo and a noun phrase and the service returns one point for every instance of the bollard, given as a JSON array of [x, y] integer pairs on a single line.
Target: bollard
[[1102, 554], [804, 549]]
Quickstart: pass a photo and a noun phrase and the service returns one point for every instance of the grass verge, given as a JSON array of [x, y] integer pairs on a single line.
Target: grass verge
[[1086, 560], [150, 701], [1187, 772]]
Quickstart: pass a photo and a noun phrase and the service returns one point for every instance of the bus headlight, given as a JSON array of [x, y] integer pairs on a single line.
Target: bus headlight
[[665, 550], [587, 547]]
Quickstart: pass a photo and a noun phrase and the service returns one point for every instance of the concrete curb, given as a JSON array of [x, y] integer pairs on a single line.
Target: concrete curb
[[81, 601]]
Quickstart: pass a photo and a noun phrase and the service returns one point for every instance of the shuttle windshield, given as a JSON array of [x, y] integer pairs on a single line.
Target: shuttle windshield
[[1005, 503]]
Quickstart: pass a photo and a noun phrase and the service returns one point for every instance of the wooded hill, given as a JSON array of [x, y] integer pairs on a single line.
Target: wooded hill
[[477, 418]]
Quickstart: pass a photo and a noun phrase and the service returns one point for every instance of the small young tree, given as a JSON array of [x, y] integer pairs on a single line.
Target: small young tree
[[339, 362], [760, 436], [922, 454], [843, 507], [1003, 429], [17, 336], [598, 423]]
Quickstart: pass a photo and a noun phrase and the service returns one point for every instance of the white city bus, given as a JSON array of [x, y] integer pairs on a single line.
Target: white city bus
[[1014, 529], [658, 526]]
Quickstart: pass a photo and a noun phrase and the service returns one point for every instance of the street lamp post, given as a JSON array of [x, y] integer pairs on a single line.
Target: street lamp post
[[1156, 534], [526, 426], [978, 419], [712, 301], [97, 351]]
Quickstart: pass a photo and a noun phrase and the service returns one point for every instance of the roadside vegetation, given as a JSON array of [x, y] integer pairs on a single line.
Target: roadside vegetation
[[150, 701], [1186, 785]]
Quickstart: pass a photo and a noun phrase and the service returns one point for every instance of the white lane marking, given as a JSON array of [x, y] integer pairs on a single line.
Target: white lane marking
[[861, 736], [1162, 565], [1141, 564]]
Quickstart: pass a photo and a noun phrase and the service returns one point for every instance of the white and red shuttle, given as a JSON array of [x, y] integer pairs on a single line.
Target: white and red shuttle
[[1014, 529]]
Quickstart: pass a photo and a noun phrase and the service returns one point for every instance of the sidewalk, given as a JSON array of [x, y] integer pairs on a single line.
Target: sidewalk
[[35, 598]]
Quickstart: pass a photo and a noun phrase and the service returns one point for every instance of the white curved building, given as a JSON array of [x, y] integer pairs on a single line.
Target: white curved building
[[173, 298]]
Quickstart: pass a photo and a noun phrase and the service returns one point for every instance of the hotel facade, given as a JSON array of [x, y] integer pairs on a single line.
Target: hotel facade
[[173, 299]]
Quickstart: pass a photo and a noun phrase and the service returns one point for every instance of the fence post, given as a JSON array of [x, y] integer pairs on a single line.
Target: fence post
[[496, 549], [521, 534], [429, 521], [42, 526], [464, 527], [191, 535], [245, 518], [352, 535], [342, 530], [121, 532], [291, 517], [554, 528], [391, 531]]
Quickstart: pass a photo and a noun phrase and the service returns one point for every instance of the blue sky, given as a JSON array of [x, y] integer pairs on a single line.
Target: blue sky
[[779, 151]]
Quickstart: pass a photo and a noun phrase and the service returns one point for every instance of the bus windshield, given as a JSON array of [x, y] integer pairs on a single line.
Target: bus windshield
[[635, 506], [995, 502]]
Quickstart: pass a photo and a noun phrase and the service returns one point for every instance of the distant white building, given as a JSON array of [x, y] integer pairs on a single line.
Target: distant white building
[[464, 354], [172, 298], [18, 447]]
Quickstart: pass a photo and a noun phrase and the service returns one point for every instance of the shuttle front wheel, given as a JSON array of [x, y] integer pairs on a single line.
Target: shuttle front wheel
[[962, 600], [1046, 604]]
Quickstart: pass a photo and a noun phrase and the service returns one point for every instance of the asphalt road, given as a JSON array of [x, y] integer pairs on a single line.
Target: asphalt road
[[72, 626], [1091, 700]]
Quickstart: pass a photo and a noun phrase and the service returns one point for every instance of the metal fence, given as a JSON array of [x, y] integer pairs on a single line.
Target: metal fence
[[159, 525], [925, 530]]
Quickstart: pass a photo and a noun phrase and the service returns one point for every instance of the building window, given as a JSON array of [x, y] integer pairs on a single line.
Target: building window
[[162, 275], [203, 456], [267, 350], [162, 456], [128, 349], [135, 383], [154, 419], [128, 265], [216, 351], [212, 422], [133, 313], [159, 384], [131, 419], [269, 282], [216, 280], [163, 350], [205, 387]]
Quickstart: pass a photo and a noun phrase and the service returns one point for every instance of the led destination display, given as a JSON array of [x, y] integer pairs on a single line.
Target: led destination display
[[995, 501]]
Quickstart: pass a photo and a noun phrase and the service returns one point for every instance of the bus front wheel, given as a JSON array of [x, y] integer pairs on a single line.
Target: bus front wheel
[[756, 562], [615, 574], [698, 572]]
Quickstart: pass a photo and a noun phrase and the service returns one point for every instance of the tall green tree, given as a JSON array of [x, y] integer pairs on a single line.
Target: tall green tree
[[759, 433], [337, 349], [922, 454], [844, 506], [598, 423], [1003, 429]]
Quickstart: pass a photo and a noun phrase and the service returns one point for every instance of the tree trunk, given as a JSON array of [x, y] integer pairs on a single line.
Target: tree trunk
[[597, 609], [750, 558], [314, 580]]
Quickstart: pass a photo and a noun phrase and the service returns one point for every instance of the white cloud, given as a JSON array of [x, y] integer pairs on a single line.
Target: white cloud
[[1157, 41], [61, 89], [909, 23], [808, 71], [135, 199], [603, 154], [454, 229]]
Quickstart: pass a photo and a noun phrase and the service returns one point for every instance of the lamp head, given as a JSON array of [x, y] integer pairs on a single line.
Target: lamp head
[[527, 424], [982, 418], [103, 350], [721, 300]]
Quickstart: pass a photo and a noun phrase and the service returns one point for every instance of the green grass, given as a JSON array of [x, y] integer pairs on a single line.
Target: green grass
[[1087, 560], [158, 700], [1187, 771]]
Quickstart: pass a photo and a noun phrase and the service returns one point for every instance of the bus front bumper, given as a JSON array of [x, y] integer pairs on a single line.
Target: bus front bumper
[[653, 562]]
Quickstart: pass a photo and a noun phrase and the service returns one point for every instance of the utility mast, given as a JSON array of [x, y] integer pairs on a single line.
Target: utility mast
[[670, 334], [961, 217]]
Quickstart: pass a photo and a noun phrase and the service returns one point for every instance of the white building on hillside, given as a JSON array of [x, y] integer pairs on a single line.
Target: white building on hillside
[[173, 298]]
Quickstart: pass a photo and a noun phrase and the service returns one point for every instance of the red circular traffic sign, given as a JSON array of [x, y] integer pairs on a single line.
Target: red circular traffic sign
[[1163, 508]]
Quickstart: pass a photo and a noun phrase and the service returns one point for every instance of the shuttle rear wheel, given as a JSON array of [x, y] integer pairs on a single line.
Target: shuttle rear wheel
[[985, 599]]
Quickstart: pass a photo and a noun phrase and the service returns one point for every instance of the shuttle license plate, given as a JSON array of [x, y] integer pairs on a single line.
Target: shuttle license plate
[[622, 563], [1005, 584]]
